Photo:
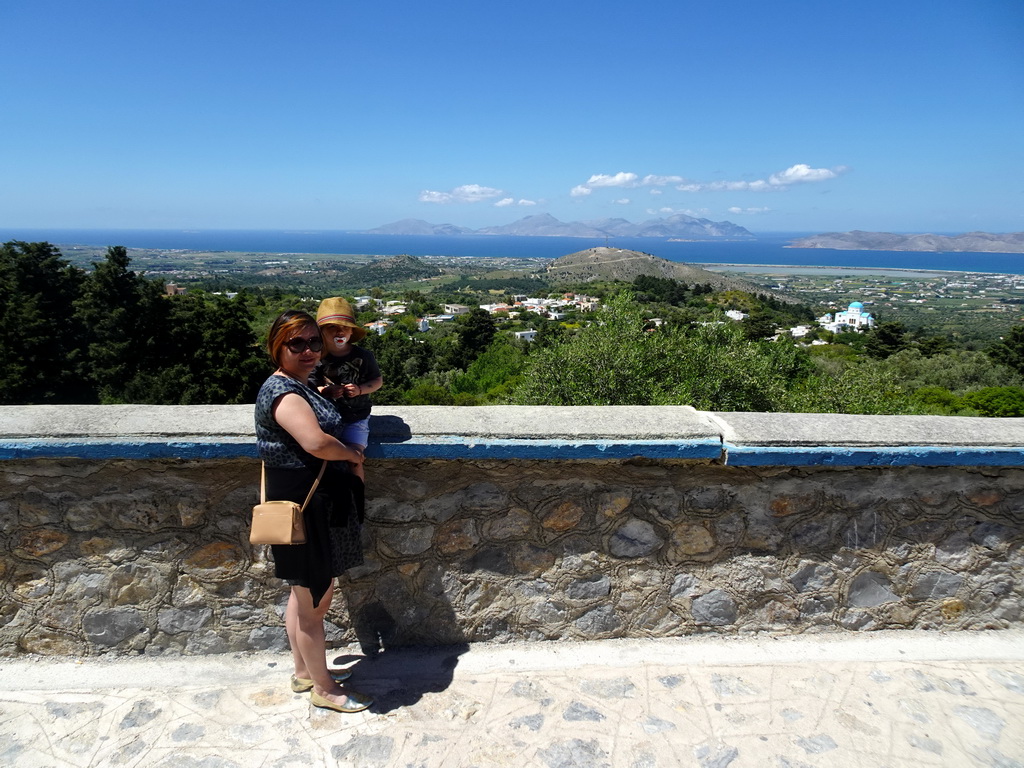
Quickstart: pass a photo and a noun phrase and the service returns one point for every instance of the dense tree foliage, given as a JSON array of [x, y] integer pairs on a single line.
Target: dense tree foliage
[[41, 340], [711, 367], [112, 335]]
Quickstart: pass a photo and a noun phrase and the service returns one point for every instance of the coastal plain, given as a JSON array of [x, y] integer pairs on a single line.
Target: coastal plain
[[967, 305]]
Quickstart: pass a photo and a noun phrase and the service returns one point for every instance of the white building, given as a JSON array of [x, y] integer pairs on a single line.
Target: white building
[[526, 335], [854, 318]]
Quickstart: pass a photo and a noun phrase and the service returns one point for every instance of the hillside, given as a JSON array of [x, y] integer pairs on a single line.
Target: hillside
[[397, 269], [618, 264], [971, 242]]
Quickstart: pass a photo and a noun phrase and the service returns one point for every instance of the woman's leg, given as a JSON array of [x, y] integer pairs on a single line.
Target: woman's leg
[[306, 632], [305, 627], [297, 636]]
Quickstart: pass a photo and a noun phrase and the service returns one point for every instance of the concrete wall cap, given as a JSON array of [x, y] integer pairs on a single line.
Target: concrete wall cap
[[838, 429], [392, 424], [388, 423]]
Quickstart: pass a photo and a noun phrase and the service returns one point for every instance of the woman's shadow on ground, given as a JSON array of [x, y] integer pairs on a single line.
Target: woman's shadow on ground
[[397, 675]]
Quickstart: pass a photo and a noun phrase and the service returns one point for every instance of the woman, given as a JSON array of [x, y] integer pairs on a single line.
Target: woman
[[295, 433]]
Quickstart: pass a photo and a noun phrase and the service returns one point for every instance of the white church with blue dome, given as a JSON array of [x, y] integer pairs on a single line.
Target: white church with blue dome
[[853, 319]]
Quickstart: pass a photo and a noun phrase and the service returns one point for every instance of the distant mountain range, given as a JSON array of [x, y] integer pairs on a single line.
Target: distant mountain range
[[546, 225], [976, 242]]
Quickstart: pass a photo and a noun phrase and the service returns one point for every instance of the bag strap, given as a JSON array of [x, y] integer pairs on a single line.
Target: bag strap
[[263, 484]]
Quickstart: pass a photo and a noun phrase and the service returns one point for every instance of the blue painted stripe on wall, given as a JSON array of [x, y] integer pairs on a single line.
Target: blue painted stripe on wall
[[509, 449], [504, 448], [416, 448], [126, 449], [894, 456]]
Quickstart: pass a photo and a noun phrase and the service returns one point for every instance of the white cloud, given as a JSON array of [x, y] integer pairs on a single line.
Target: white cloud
[[527, 202], [467, 193], [657, 192], [795, 174], [748, 211], [801, 172], [623, 179], [622, 201], [620, 179], [505, 202], [651, 180], [667, 211]]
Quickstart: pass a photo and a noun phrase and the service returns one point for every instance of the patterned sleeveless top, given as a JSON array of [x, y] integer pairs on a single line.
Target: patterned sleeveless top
[[278, 448]]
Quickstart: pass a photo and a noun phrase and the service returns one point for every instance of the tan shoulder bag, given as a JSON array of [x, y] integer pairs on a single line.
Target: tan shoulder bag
[[280, 522]]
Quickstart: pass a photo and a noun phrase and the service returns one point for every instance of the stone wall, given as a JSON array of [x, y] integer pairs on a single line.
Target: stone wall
[[150, 554]]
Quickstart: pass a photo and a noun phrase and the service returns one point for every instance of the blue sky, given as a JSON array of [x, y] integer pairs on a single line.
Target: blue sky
[[897, 115]]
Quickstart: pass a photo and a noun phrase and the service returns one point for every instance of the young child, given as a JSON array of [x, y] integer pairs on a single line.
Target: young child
[[347, 374]]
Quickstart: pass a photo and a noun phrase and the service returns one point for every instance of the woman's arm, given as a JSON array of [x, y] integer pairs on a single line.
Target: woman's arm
[[296, 417]]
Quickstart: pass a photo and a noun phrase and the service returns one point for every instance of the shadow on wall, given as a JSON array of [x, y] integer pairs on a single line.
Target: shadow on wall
[[406, 628], [389, 429]]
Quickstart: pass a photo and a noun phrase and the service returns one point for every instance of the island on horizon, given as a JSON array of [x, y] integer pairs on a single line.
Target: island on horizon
[[677, 226], [970, 242]]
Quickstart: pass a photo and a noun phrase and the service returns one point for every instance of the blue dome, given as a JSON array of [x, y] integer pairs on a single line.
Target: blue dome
[[856, 305]]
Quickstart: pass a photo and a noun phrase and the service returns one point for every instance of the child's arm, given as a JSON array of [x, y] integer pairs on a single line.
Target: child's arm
[[366, 388]]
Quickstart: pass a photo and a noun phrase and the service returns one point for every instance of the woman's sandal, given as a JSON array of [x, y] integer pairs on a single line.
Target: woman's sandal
[[355, 702], [303, 684]]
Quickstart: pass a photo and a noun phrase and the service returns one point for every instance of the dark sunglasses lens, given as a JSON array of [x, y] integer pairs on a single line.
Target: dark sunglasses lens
[[298, 346]]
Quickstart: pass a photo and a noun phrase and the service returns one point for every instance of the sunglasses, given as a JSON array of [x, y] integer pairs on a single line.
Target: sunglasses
[[298, 345]]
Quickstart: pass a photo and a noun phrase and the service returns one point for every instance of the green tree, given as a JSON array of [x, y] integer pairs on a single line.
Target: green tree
[[208, 354], [495, 372], [844, 386], [611, 362], [41, 342], [120, 314], [958, 371], [886, 339], [938, 401], [402, 360], [997, 401], [1009, 350], [476, 330], [758, 326]]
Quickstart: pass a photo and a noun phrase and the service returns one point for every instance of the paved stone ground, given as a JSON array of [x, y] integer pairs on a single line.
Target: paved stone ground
[[874, 699]]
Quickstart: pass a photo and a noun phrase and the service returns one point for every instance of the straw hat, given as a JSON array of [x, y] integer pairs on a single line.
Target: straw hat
[[337, 311]]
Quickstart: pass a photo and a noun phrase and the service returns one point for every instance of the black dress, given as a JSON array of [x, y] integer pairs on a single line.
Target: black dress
[[334, 515]]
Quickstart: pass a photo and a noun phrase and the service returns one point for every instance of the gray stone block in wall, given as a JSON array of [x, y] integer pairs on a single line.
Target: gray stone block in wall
[[870, 589], [599, 622], [684, 585], [812, 577], [636, 538], [110, 627], [715, 609], [174, 621], [586, 589], [936, 584]]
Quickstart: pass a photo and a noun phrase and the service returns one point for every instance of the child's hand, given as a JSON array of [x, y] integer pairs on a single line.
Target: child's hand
[[351, 390], [333, 392]]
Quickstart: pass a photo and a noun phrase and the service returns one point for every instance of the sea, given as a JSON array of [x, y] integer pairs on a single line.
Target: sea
[[760, 252]]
